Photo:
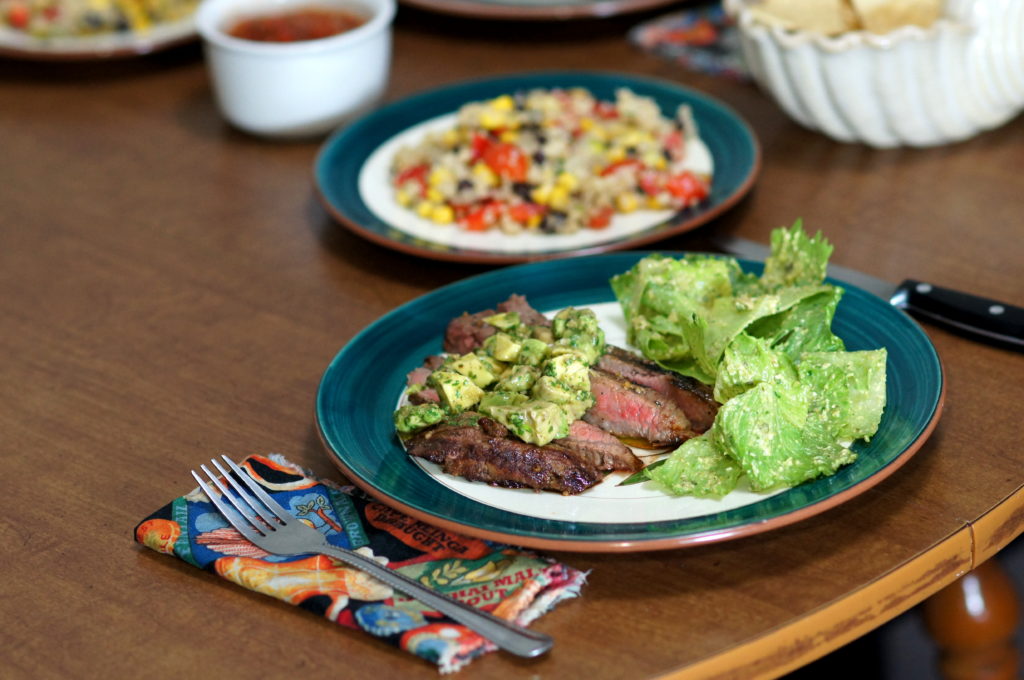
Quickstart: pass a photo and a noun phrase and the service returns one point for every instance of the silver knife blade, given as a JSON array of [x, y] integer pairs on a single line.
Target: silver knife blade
[[996, 323]]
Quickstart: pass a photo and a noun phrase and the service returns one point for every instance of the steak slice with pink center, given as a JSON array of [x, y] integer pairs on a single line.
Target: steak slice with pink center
[[601, 449], [640, 415], [692, 396]]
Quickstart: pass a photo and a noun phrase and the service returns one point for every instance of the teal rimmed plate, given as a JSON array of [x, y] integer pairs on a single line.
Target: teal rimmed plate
[[362, 385], [351, 172]]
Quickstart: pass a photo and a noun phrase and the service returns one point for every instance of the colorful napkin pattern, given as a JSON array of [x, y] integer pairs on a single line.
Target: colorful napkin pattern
[[508, 582], [701, 38]]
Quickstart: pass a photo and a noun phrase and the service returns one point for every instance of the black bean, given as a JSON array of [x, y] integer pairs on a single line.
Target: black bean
[[464, 184], [522, 189], [539, 157], [552, 221]]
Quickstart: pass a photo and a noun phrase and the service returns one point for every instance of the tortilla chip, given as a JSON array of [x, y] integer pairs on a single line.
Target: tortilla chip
[[828, 17], [884, 16]]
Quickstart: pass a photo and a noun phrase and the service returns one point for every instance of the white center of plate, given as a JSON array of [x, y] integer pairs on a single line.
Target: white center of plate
[[606, 502], [379, 196]]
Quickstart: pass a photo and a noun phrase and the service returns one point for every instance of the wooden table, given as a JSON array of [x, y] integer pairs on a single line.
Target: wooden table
[[171, 289]]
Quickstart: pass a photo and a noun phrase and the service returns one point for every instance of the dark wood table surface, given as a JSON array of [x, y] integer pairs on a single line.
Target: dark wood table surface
[[171, 289]]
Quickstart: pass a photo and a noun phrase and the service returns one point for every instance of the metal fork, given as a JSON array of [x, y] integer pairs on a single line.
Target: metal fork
[[267, 524]]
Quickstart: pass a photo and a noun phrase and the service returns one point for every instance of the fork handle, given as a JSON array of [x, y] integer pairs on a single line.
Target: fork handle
[[505, 634]]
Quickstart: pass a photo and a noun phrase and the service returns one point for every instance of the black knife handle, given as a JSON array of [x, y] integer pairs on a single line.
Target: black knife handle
[[993, 322]]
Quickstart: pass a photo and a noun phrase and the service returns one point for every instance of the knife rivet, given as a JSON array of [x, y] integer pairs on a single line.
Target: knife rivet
[[996, 309], [924, 288]]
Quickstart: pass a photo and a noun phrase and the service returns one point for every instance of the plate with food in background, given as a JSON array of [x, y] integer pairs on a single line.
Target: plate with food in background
[[85, 30], [730, 421], [537, 166]]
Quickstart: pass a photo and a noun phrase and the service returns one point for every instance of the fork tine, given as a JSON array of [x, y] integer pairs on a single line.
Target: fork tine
[[246, 504], [267, 499], [240, 501], [233, 518]]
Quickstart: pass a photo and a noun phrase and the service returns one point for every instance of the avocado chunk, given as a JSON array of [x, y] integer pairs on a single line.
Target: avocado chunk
[[577, 330], [458, 393], [503, 321], [470, 366], [535, 422], [569, 369], [500, 398], [415, 417], [533, 352], [518, 379], [502, 347]]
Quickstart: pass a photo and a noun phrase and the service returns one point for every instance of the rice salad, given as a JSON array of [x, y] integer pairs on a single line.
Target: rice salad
[[76, 18], [553, 161]]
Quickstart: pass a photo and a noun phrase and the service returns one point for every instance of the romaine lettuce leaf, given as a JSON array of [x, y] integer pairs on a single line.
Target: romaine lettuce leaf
[[792, 398], [777, 440], [847, 390], [698, 468], [797, 259]]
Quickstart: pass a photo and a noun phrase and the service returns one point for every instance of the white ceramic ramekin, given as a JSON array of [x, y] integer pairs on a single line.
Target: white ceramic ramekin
[[296, 89], [911, 87]]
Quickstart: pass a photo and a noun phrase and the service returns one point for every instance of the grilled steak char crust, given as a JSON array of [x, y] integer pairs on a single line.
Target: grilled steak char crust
[[692, 396], [481, 449]]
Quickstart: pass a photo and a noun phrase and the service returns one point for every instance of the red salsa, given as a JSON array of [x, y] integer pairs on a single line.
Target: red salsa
[[300, 24]]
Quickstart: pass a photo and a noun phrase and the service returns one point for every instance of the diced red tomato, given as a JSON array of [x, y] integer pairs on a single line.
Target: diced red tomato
[[479, 144], [482, 218], [605, 110], [650, 181], [508, 160], [51, 12], [417, 173], [602, 218], [687, 186], [524, 212], [624, 163], [18, 16]]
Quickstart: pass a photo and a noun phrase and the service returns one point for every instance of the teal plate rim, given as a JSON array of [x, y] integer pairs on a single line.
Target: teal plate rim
[[734, 148], [360, 387]]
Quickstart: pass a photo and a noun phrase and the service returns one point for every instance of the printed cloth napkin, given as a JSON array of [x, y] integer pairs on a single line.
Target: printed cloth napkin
[[509, 582], [701, 38]]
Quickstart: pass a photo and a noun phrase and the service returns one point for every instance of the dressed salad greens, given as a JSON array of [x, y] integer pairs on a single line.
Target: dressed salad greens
[[793, 399]]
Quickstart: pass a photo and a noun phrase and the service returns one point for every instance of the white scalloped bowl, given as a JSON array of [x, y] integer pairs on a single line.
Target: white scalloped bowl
[[911, 87]]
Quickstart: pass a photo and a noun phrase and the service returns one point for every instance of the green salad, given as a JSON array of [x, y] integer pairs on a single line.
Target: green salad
[[793, 399]]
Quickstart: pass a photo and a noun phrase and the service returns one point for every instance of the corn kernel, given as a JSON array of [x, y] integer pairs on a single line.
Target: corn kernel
[[491, 120], [659, 163], [567, 180], [541, 195], [586, 124], [439, 176], [627, 202], [450, 138], [442, 214], [482, 171], [654, 203], [503, 103], [403, 197], [559, 199], [616, 153], [510, 136], [425, 208], [435, 195], [534, 222]]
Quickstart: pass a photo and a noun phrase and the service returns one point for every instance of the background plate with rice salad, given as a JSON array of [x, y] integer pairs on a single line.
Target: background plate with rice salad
[[354, 178]]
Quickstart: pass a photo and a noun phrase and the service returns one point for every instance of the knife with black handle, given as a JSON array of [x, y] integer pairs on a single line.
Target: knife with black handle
[[989, 321]]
